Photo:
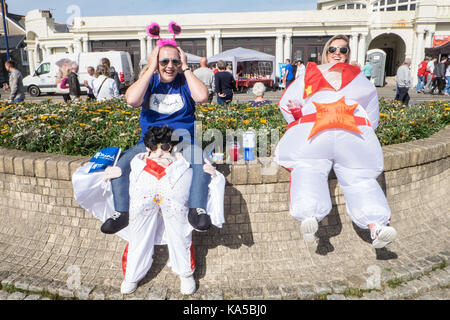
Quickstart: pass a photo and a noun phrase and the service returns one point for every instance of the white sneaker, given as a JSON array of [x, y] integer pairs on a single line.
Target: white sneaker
[[187, 285], [128, 287], [309, 227], [382, 236]]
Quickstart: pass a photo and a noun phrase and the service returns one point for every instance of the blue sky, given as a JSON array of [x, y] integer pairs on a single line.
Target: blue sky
[[62, 10]]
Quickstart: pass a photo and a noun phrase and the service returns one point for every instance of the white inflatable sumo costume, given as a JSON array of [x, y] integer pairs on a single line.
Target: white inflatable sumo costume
[[336, 130], [158, 211]]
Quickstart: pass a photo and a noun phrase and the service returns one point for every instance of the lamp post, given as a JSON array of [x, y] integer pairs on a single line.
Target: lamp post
[[4, 28]]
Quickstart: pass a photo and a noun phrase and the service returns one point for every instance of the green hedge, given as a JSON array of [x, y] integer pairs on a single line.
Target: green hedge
[[86, 127]]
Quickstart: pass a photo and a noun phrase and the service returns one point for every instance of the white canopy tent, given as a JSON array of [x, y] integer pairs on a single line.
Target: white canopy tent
[[192, 58], [241, 55]]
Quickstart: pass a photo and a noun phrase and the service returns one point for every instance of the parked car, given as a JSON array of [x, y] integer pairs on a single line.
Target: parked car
[[44, 79]]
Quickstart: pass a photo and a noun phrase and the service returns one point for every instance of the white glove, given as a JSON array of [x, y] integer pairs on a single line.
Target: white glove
[[209, 168], [112, 173]]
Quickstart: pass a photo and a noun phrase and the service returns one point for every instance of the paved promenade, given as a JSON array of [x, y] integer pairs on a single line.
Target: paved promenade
[[387, 92], [429, 285]]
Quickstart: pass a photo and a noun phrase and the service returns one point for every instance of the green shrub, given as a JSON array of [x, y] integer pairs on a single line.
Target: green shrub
[[86, 127]]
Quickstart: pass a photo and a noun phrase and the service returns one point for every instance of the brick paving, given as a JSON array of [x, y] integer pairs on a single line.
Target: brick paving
[[434, 285]]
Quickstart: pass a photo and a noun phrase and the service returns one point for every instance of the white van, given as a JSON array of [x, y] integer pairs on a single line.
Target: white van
[[44, 78]]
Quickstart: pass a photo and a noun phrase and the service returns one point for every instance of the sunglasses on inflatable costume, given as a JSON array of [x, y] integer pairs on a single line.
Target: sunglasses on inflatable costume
[[342, 50], [165, 61]]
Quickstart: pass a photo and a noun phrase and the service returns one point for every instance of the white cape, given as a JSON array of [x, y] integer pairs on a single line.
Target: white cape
[[95, 196]]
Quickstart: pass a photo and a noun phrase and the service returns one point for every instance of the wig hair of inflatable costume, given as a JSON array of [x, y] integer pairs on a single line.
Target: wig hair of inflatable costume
[[154, 30]]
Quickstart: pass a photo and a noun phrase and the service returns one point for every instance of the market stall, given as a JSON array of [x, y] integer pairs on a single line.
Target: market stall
[[253, 66], [438, 51], [193, 60]]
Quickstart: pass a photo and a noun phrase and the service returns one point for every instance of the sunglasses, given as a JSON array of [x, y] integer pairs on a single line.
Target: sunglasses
[[164, 147], [343, 50], [165, 61]]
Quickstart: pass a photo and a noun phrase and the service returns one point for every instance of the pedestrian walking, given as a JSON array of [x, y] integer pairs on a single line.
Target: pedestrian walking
[[74, 83], [367, 70], [439, 76], [104, 87], [422, 74], [224, 84], [206, 76], [403, 82], [17, 93], [89, 82]]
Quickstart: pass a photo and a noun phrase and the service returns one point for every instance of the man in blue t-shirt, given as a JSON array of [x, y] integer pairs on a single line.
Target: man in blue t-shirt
[[167, 97], [288, 73]]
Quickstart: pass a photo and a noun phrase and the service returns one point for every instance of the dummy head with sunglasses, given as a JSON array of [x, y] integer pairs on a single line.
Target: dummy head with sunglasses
[[159, 143], [336, 50]]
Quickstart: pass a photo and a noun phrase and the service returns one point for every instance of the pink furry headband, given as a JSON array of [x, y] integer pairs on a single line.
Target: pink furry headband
[[153, 31]]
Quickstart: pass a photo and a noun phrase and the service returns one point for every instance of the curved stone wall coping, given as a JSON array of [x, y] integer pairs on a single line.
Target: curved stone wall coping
[[53, 166]]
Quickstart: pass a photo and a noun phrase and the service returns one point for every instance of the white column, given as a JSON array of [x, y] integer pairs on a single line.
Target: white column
[[287, 47], [428, 39], [209, 46], [149, 46], [77, 45], [217, 44], [70, 48], [46, 51], [419, 46], [85, 44], [362, 49], [31, 64], [353, 47], [278, 53], [143, 40], [36, 55]]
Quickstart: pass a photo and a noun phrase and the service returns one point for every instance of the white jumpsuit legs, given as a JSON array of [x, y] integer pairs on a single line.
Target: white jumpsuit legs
[[357, 161], [365, 201], [178, 235], [309, 193], [158, 212]]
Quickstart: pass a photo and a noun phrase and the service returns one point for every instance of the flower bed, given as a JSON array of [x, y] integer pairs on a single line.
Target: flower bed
[[84, 128]]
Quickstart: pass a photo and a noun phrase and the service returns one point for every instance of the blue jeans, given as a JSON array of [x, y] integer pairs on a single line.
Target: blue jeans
[[420, 83], [198, 196], [221, 101], [447, 87]]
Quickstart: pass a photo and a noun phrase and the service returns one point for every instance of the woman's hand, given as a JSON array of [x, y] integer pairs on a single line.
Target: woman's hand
[[183, 58], [294, 105], [153, 59]]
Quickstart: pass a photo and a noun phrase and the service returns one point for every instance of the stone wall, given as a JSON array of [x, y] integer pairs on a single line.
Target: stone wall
[[45, 234]]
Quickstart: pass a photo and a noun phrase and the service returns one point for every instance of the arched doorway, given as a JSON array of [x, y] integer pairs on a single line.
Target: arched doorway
[[395, 48]]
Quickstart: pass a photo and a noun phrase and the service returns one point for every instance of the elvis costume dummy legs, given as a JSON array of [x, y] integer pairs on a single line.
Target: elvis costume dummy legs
[[159, 192]]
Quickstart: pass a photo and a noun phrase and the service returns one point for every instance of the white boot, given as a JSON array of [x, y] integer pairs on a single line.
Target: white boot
[[187, 285], [128, 287], [309, 227], [382, 236]]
